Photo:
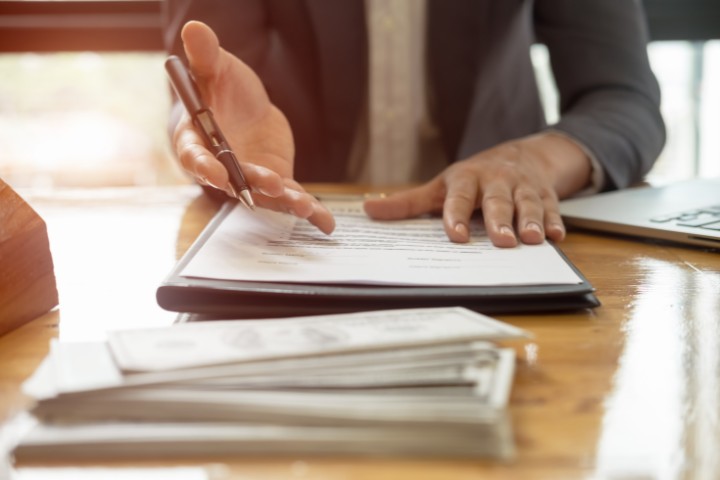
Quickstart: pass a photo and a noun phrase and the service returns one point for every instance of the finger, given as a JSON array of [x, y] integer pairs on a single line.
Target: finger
[[226, 82], [410, 203], [530, 215], [202, 48], [321, 217], [460, 203], [318, 215], [498, 210], [263, 180], [301, 205], [197, 160], [203, 165], [554, 227], [291, 201]]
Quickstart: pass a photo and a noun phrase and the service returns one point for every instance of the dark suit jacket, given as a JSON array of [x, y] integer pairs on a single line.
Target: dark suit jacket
[[312, 57]]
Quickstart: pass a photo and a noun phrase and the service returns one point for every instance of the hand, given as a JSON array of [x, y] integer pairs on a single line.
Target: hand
[[516, 184], [257, 131]]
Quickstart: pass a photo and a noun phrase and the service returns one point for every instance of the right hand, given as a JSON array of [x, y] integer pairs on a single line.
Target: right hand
[[257, 131]]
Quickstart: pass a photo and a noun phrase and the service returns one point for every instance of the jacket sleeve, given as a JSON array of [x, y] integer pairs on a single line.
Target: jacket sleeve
[[609, 97]]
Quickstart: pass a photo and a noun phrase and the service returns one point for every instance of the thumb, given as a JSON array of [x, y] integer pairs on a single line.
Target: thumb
[[225, 81], [427, 198], [202, 48]]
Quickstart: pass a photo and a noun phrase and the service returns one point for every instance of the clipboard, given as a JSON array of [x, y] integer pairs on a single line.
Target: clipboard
[[221, 298]]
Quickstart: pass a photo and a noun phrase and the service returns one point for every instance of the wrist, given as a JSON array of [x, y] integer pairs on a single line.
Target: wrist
[[567, 162]]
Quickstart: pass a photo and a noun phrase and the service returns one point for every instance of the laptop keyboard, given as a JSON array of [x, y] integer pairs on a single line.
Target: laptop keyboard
[[707, 218]]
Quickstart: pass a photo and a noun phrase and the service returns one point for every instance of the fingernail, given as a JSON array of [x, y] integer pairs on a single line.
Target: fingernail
[[507, 231], [534, 227], [211, 184], [263, 191], [371, 195], [231, 191], [462, 230]]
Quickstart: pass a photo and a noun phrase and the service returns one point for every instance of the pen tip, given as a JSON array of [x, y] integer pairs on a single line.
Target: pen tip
[[247, 199]]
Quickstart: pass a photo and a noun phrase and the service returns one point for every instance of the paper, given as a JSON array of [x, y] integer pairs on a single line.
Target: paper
[[415, 381], [191, 439], [275, 247], [95, 473], [198, 344], [473, 394], [73, 366]]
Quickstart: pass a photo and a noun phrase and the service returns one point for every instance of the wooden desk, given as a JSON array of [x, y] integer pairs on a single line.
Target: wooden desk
[[627, 390]]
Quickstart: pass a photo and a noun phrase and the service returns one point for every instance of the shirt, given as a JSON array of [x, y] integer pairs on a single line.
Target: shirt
[[396, 142]]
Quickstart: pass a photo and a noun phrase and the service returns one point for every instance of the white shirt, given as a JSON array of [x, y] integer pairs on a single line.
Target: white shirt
[[396, 142]]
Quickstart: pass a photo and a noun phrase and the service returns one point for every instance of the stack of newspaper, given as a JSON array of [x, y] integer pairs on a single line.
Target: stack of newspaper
[[400, 382]]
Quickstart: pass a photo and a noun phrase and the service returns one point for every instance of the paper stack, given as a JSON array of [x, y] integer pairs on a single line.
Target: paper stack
[[400, 382]]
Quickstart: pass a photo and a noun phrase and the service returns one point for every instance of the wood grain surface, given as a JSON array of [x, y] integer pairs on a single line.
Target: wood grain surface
[[627, 390], [27, 280]]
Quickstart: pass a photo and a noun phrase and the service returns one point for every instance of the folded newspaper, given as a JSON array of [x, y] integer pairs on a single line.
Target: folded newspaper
[[399, 382]]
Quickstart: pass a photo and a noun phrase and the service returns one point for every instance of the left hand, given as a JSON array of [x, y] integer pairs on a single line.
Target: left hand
[[517, 185]]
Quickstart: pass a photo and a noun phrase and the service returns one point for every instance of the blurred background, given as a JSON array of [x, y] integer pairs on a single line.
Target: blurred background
[[84, 101]]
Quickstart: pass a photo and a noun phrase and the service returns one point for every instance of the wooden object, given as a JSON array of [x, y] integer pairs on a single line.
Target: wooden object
[[626, 390], [27, 280]]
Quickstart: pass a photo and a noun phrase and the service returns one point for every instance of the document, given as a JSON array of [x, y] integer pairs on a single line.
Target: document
[[266, 264], [267, 246]]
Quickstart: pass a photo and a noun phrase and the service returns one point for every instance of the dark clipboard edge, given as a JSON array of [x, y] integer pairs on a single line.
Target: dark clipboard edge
[[245, 299]]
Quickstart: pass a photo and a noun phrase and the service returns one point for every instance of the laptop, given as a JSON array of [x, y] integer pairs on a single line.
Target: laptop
[[687, 212]]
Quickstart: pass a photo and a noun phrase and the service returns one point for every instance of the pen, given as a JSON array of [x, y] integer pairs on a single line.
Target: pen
[[202, 118]]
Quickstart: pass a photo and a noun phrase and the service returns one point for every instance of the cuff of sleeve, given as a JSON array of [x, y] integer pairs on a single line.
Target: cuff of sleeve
[[597, 175]]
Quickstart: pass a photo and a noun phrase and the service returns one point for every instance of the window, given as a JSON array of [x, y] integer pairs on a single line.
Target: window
[[689, 73], [83, 119], [64, 25], [72, 117]]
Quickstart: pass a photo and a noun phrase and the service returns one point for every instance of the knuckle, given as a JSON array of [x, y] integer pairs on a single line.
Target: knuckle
[[526, 195], [185, 154], [510, 150], [496, 199], [190, 157], [549, 195], [462, 196]]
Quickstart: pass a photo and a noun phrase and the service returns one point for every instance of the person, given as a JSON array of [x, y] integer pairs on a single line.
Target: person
[[294, 85]]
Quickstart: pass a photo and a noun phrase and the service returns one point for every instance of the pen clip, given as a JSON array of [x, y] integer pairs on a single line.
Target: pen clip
[[206, 124]]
